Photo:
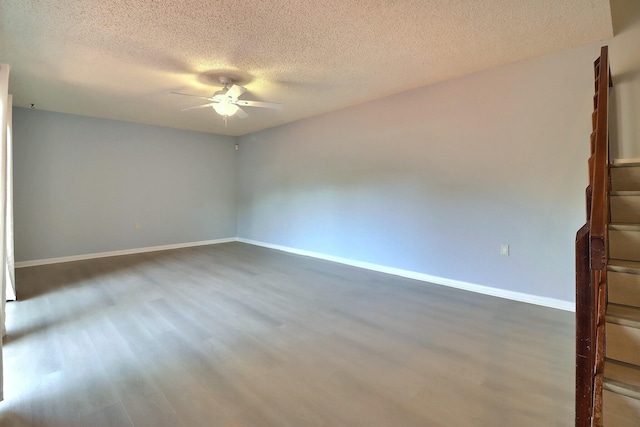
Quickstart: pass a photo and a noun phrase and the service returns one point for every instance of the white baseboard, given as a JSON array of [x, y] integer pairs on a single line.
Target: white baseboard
[[622, 162], [486, 290], [472, 287], [36, 262]]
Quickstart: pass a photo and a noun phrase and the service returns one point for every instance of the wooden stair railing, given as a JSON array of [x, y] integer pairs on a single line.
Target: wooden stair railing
[[591, 261]]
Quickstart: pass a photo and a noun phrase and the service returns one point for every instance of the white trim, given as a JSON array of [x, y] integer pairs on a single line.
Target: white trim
[[626, 162], [472, 287], [36, 262], [458, 284]]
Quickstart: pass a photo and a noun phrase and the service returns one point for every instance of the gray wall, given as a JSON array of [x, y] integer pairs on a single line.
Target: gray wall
[[82, 184], [434, 180]]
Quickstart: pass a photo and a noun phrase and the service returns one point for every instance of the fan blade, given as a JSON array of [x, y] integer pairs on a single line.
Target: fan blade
[[260, 104], [234, 92], [199, 106], [241, 114], [195, 96]]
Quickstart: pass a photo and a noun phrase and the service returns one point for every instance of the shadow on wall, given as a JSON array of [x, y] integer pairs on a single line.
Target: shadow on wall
[[624, 128], [625, 69], [621, 19]]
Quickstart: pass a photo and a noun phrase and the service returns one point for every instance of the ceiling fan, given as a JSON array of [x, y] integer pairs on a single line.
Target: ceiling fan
[[226, 103]]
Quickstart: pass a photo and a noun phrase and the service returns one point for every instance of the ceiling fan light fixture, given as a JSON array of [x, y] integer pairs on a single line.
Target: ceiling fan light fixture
[[225, 109], [226, 102]]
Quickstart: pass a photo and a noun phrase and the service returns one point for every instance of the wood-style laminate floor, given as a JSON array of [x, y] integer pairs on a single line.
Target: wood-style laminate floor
[[235, 335]]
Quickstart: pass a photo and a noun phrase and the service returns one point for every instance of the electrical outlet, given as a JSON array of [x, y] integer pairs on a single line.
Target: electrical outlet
[[504, 249], [137, 226]]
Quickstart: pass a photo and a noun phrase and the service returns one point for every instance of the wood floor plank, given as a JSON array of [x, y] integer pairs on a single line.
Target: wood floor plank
[[235, 335]]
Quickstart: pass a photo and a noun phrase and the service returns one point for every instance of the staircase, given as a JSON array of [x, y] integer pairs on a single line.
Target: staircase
[[621, 385]]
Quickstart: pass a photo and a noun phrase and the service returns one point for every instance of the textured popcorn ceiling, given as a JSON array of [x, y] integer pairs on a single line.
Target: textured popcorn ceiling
[[120, 59]]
